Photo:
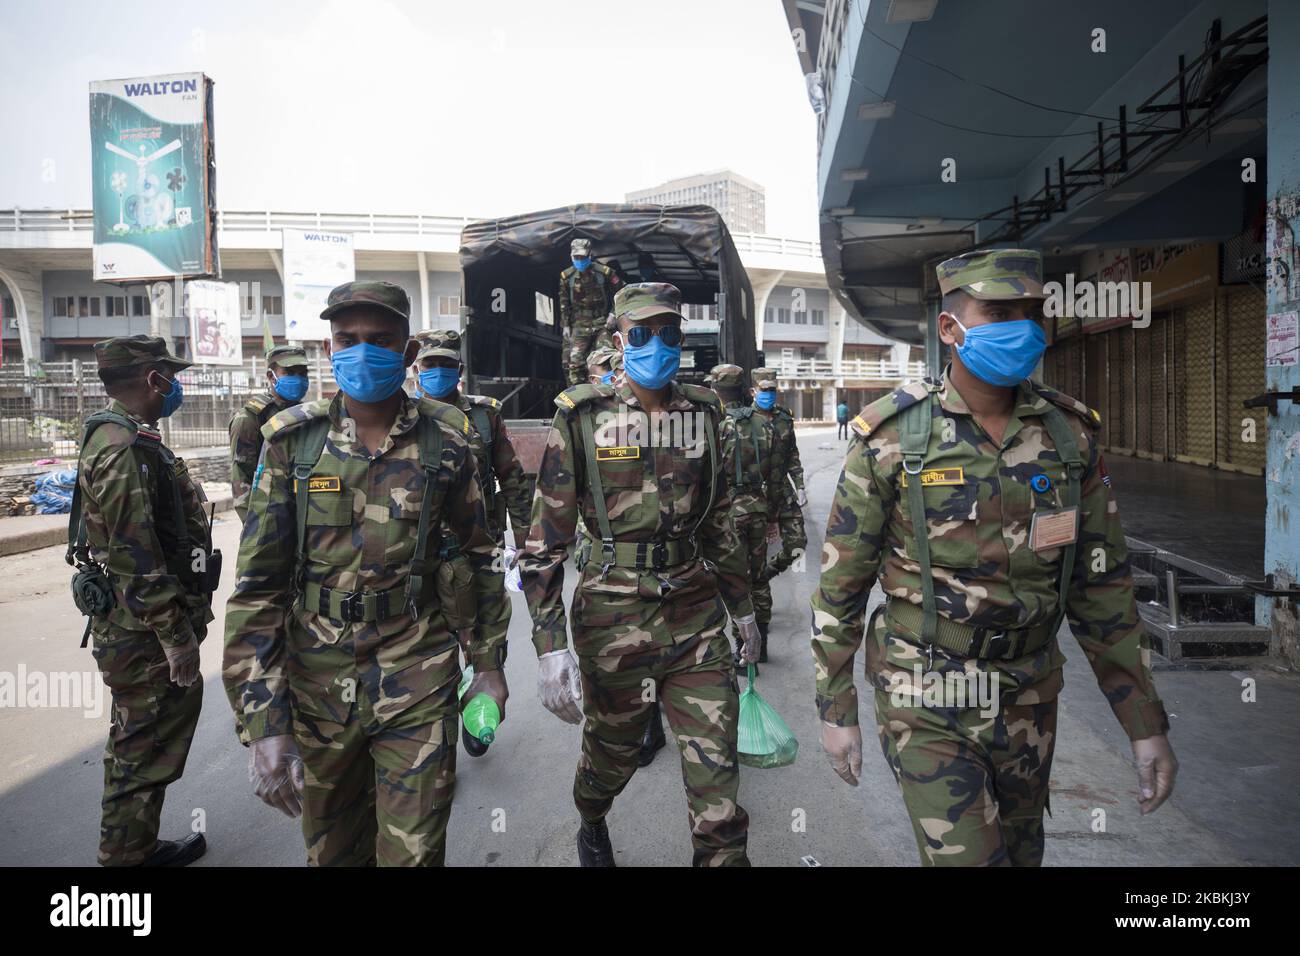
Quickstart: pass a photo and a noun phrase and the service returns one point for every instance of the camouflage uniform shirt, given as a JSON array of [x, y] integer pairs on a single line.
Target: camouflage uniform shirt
[[246, 443]]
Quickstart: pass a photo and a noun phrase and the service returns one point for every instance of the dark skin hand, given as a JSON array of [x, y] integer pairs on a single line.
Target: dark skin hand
[[374, 420], [652, 400]]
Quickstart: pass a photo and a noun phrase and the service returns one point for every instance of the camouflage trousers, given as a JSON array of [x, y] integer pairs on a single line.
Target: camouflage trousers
[[377, 794], [793, 534], [696, 689], [580, 340], [751, 529], [153, 723], [975, 786]]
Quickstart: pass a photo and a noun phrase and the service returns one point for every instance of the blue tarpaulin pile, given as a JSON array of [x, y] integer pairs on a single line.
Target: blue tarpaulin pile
[[54, 492]]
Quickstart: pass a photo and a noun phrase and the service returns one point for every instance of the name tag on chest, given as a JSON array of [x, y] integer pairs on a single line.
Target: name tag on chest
[[330, 483], [1053, 529], [619, 453]]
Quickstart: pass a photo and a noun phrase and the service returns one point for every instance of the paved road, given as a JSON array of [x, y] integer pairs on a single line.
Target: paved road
[[1236, 802]]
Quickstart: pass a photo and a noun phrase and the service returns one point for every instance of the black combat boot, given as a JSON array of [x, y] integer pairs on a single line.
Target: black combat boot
[[473, 746], [593, 845], [177, 852], [654, 738], [762, 653]]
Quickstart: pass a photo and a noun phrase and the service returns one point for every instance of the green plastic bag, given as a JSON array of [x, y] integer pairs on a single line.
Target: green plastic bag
[[764, 740]]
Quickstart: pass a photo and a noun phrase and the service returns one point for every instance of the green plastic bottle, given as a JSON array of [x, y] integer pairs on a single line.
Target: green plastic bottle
[[481, 716]]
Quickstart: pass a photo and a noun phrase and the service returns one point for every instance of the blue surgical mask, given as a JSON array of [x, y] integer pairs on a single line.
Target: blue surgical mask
[[607, 378], [766, 399], [367, 372], [653, 365], [291, 387], [581, 262], [437, 382], [1002, 353], [172, 400]]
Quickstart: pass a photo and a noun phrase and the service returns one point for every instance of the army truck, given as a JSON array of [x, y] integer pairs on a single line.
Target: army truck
[[510, 278]]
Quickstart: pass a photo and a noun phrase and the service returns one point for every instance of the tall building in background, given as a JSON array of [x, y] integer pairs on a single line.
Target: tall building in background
[[741, 201]]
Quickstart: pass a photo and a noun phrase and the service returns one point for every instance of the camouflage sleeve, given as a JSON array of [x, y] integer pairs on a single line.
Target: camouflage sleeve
[[565, 306], [792, 463], [1103, 612], [514, 483], [134, 557], [253, 664], [727, 437], [721, 544], [463, 508], [554, 524], [855, 535], [245, 443]]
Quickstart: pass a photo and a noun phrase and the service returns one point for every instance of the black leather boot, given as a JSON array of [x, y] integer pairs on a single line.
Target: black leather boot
[[178, 852], [593, 845], [654, 738], [762, 653]]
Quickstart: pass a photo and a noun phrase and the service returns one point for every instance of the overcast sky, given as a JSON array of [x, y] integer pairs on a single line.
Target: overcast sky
[[477, 107]]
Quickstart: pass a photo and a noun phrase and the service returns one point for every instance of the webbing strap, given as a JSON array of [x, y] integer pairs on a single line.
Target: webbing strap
[[310, 446], [430, 438], [914, 437], [597, 491], [711, 438], [1068, 450]]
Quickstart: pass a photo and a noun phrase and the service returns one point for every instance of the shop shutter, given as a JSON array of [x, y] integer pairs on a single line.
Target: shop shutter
[[1241, 370], [1194, 350], [1095, 383]]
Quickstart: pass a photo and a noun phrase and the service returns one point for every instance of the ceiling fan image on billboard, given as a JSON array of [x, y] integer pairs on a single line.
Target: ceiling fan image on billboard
[[148, 207]]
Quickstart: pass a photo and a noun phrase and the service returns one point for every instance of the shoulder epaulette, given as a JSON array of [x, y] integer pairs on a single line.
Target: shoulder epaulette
[[700, 393], [133, 431], [295, 415], [1070, 404], [257, 404], [575, 395], [883, 409], [485, 400], [449, 415], [568, 272], [604, 268], [740, 411]]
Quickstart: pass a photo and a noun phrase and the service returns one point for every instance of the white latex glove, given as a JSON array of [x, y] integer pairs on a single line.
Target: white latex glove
[[183, 659], [559, 686], [801, 498], [843, 746], [276, 772], [752, 638], [1157, 767]]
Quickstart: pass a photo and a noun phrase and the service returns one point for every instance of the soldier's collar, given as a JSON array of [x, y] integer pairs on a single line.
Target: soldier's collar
[[677, 399], [1029, 401], [950, 399], [407, 415], [116, 406]]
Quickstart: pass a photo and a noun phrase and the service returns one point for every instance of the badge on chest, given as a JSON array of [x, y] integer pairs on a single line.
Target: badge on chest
[[1053, 529]]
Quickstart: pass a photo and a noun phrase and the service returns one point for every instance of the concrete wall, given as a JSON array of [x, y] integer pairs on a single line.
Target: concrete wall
[[782, 297], [1282, 472]]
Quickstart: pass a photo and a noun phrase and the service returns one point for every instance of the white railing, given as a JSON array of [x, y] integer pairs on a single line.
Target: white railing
[[239, 220], [873, 369]]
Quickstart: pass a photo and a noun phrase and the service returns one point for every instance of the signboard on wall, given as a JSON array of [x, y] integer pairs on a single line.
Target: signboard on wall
[[1101, 266], [212, 309], [1283, 340], [1178, 273], [153, 182], [314, 263]]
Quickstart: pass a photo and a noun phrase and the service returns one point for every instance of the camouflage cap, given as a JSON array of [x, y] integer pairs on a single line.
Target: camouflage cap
[[726, 376], [994, 274], [763, 378], [382, 295], [645, 300], [127, 350], [286, 356], [604, 358], [580, 247], [438, 343]]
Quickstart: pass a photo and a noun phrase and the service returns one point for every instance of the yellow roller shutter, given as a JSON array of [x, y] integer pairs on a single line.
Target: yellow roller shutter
[[1241, 370]]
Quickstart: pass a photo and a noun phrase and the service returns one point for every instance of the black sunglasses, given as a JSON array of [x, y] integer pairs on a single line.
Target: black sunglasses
[[639, 335]]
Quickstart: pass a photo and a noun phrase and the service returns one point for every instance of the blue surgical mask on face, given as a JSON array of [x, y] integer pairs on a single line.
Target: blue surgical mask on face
[[766, 399], [1002, 353], [367, 372], [581, 262], [172, 400], [291, 387], [653, 365], [438, 381], [607, 378]]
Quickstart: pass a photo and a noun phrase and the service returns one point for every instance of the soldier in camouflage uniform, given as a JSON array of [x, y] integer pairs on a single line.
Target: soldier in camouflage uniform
[[139, 516], [605, 338], [648, 613], [784, 504], [339, 660], [586, 289], [747, 439], [286, 380], [505, 486], [604, 365], [982, 501]]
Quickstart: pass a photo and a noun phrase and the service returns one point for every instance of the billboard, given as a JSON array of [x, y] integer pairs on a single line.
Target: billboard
[[212, 309], [153, 183], [314, 263]]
